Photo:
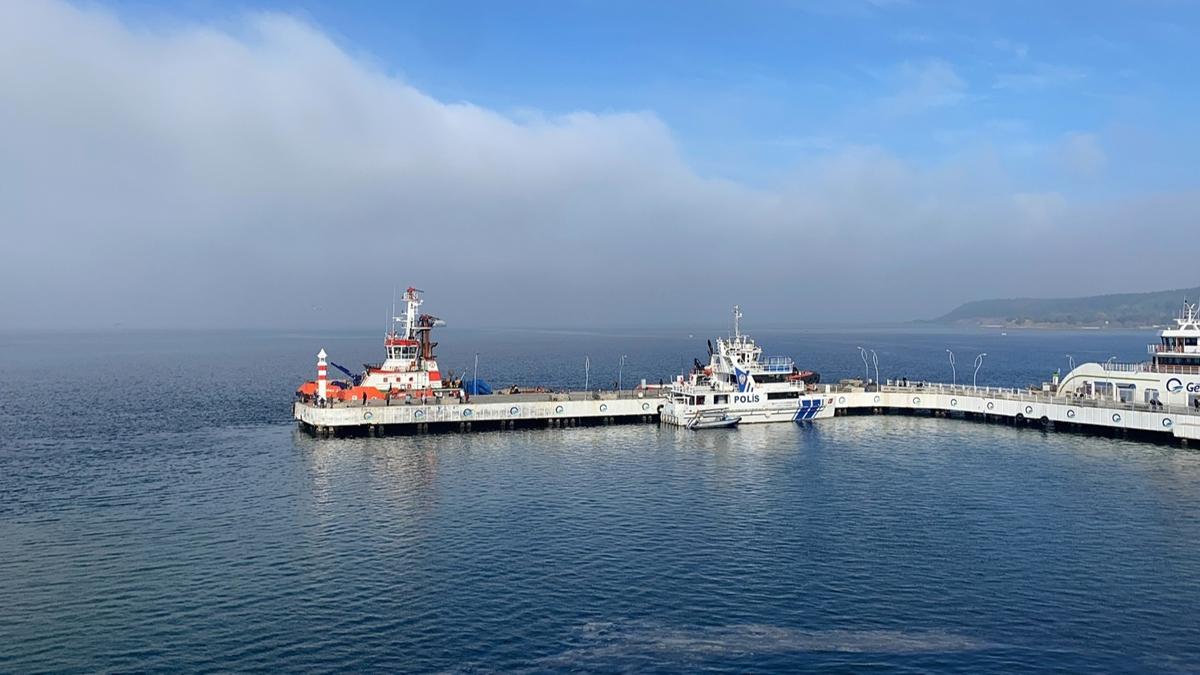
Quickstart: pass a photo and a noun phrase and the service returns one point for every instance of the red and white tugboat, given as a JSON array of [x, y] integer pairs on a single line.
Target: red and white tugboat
[[410, 369]]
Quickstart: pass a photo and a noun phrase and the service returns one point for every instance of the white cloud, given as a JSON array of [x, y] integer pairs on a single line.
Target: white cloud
[[242, 176], [924, 86], [1017, 49], [1039, 76], [1081, 154]]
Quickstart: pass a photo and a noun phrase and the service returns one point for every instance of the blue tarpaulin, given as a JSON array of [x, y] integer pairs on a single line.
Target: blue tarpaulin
[[476, 387]]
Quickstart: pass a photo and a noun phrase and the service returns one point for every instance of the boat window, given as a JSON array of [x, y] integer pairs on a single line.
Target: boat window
[[721, 398], [1151, 395], [699, 400], [782, 394]]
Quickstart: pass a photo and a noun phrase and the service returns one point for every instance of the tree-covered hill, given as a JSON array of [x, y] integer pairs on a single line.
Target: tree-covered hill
[[1120, 310]]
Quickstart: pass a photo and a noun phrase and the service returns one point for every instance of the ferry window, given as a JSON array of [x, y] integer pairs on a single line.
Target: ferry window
[[1151, 395], [721, 398], [1190, 341], [699, 400]]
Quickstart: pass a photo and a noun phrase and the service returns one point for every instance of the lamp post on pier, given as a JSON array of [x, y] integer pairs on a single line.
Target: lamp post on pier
[[866, 367], [953, 370], [978, 365], [875, 360], [620, 373]]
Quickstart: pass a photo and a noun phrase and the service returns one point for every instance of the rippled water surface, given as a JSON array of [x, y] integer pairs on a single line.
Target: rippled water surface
[[158, 511]]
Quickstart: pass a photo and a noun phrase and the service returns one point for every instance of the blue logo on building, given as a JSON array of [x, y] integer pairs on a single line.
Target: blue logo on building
[[1174, 385]]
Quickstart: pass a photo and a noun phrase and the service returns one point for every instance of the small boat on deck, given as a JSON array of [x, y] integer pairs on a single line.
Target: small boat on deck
[[713, 419]]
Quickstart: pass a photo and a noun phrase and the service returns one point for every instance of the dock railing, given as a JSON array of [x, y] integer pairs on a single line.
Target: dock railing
[[1031, 396], [525, 395]]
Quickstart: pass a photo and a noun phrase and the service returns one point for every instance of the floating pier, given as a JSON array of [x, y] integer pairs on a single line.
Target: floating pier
[[1026, 407], [408, 393], [479, 413], [555, 410]]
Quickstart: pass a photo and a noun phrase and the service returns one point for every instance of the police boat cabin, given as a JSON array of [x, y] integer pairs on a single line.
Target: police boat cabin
[[739, 382], [1171, 376]]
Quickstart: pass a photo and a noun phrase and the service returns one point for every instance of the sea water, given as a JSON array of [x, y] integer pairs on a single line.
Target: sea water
[[159, 511]]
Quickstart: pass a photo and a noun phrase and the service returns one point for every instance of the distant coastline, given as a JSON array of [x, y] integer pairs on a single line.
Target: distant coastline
[[1125, 311]]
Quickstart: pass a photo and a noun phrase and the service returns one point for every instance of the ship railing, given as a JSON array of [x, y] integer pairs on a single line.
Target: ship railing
[[1125, 367], [777, 364], [1150, 368], [1159, 348]]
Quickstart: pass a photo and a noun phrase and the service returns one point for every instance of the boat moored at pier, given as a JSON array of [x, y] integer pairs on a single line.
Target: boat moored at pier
[[409, 369], [739, 382], [1171, 377]]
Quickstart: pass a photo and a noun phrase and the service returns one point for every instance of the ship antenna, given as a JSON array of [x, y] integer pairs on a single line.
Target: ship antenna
[[737, 325]]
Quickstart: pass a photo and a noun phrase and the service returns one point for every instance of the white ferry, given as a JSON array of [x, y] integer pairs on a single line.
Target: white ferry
[[739, 384], [1171, 377]]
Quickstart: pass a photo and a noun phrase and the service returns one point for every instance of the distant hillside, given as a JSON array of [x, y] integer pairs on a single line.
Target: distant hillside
[[1121, 310]]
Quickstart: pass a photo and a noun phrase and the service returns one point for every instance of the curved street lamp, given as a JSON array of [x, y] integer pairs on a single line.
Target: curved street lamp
[[866, 368], [953, 371], [621, 373], [1071, 361], [978, 365], [875, 360]]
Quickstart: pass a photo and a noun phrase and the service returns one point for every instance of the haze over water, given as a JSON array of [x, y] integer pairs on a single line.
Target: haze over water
[[255, 179], [185, 524]]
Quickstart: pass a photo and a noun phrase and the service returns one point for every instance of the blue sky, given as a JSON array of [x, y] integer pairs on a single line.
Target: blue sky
[[747, 88], [655, 162]]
